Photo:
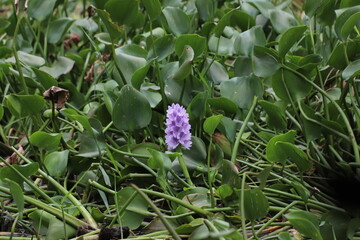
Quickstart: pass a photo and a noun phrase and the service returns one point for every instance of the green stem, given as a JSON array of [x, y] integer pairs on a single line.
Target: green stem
[[185, 170], [17, 61], [73, 221], [84, 212], [242, 129], [157, 211], [343, 116]]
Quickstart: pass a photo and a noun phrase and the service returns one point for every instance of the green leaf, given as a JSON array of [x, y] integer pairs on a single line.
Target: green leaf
[[345, 22], [130, 217], [206, 9], [197, 106], [353, 226], [287, 85], [113, 29], [276, 116], [24, 105], [294, 155], [40, 9], [255, 203], [26, 170], [161, 48], [130, 57], [153, 8], [124, 116], [264, 63], [47, 141], [306, 223], [58, 28], [224, 104], [186, 60], [289, 38], [245, 41], [334, 225], [138, 77], [216, 71], [56, 163], [243, 66], [273, 151], [285, 236], [241, 90], [281, 20], [177, 21], [18, 196], [122, 11], [338, 59], [45, 79], [234, 18], [62, 65], [30, 60], [352, 70], [196, 42], [211, 123], [311, 6]]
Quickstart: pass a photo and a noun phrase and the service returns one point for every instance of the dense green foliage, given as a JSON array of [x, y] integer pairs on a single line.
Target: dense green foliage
[[272, 92]]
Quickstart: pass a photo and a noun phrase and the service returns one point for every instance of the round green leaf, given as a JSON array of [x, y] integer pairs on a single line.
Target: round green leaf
[[295, 155], [45, 79], [281, 20], [122, 11], [131, 110], [352, 70], [56, 163], [345, 22], [241, 90], [62, 65], [211, 123], [245, 41], [273, 151], [58, 28], [162, 48], [196, 42], [48, 141], [130, 217], [306, 223], [289, 38], [264, 63], [224, 104], [276, 116], [24, 105], [40, 9], [131, 58], [286, 84], [153, 7], [216, 72], [177, 21], [256, 204]]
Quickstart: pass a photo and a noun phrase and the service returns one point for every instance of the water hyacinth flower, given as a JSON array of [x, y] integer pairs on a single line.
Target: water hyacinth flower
[[177, 127]]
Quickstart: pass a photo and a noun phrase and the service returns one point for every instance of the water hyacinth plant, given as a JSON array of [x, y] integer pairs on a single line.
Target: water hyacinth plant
[[180, 119]]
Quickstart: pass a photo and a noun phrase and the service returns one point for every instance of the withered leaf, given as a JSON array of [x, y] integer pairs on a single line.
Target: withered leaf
[[57, 95]]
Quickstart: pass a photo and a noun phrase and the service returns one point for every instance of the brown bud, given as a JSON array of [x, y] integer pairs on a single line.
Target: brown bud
[[57, 95], [223, 143]]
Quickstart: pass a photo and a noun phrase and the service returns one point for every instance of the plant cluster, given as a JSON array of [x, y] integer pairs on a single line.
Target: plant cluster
[[179, 119]]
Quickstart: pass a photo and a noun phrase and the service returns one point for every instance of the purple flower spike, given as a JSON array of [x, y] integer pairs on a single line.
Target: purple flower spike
[[177, 127]]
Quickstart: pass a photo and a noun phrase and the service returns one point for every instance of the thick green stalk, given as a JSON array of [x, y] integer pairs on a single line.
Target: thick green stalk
[[84, 212], [73, 221], [241, 131], [157, 211]]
